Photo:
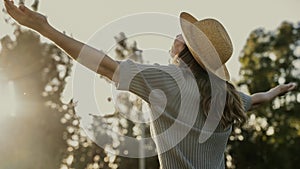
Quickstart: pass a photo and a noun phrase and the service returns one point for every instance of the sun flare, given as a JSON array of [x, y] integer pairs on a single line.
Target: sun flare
[[7, 98]]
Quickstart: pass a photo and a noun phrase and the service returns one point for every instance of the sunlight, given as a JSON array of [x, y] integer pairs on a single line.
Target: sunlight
[[7, 98]]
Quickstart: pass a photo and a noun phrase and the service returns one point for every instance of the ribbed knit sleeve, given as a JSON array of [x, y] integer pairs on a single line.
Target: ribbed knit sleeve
[[141, 79], [246, 99]]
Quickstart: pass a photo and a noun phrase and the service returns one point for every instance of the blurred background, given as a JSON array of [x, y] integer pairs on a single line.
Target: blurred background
[[38, 123]]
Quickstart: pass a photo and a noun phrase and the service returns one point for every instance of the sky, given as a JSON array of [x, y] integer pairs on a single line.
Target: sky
[[82, 19]]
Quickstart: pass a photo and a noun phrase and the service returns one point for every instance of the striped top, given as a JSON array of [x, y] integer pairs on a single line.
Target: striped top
[[176, 119]]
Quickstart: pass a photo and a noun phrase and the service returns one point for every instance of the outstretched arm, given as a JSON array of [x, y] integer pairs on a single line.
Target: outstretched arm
[[90, 57], [258, 99]]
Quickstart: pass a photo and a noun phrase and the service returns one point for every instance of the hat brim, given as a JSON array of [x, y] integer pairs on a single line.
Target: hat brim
[[200, 46]]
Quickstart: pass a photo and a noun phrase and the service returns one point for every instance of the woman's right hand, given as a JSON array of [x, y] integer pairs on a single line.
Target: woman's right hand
[[26, 17], [74, 48]]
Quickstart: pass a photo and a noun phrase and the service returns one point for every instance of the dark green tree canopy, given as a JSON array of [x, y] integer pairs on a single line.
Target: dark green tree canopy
[[271, 137]]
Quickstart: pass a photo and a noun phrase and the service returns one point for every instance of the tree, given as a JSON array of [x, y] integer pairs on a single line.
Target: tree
[[112, 125], [38, 71], [134, 105], [271, 137], [53, 137]]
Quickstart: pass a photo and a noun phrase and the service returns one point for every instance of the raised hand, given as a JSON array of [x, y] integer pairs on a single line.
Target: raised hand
[[71, 46], [25, 16], [283, 88], [258, 99]]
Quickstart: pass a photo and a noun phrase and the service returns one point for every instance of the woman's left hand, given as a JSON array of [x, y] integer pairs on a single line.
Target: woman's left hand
[[284, 88]]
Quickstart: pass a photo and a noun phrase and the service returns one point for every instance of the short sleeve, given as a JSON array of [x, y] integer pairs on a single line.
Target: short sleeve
[[246, 99], [141, 79]]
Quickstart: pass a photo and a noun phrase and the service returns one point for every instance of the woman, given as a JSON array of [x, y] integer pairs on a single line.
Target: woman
[[173, 91]]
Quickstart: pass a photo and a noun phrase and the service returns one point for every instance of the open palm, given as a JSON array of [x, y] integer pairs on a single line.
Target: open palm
[[25, 16]]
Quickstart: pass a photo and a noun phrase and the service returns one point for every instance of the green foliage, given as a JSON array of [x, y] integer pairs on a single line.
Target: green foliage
[[53, 137], [82, 152], [271, 138], [33, 135], [124, 119]]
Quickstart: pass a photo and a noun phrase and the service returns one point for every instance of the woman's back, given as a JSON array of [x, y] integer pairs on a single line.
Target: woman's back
[[177, 121]]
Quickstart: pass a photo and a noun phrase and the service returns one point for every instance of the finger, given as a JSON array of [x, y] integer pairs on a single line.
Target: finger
[[292, 86], [8, 1], [8, 5], [13, 11], [26, 10], [12, 8], [22, 8], [288, 87]]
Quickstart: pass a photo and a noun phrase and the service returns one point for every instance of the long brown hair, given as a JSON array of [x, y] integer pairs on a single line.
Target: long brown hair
[[233, 110]]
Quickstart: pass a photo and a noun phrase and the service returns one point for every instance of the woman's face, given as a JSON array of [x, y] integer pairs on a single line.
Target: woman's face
[[177, 47]]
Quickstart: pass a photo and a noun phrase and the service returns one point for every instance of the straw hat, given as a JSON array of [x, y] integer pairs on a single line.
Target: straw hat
[[208, 42]]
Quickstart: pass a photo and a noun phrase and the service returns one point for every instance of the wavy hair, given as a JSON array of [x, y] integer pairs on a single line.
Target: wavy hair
[[234, 112]]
